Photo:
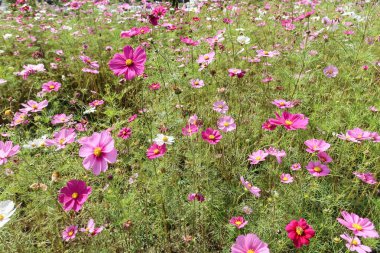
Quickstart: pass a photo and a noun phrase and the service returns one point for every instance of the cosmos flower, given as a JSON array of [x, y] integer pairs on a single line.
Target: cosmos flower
[[197, 83], [189, 130], [248, 186], [7, 150], [220, 106], [156, 151], [211, 136], [324, 157], [130, 64], [249, 243], [358, 225], [366, 177], [236, 72], [317, 169], [238, 222], [290, 121], [354, 244], [61, 118], [74, 195], [300, 232], [314, 145], [125, 133], [244, 40], [7, 209], [91, 230], [330, 71], [189, 41], [98, 150], [296, 166], [50, 86], [69, 233], [226, 124], [283, 104], [162, 139], [286, 178], [33, 106], [257, 157], [195, 196], [62, 138]]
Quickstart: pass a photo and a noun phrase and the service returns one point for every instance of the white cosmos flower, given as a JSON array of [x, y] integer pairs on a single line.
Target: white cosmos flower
[[243, 40], [36, 143], [7, 208], [162, 139], [90, 110]]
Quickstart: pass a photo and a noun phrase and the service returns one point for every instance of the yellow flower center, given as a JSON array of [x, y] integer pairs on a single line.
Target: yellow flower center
[[51, 87], [258, 158], [97, 151], [357, 226], [266, 52], [299, 230], [129, 62], [2, 217], [285, 179], [226, 124], [288, 122], [206, 57], [211, 137], [238, 222], [71, 233], [317, 169], [74, 195], [360, 136], [165, 138], [34, 106], [156, 151], [61, 141], [355, 242], [250, 251]]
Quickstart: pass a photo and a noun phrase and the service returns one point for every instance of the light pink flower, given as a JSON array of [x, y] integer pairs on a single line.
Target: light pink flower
[[359, 226], [286, 178], [248, 186], [61, 118], [330, 71], [50, 86], [189, 130], [62, 138], [366, 177], [249, 243], [314, 145], [324, 157], [197, 83], [354, 244], [257, 157], [33, 106], [283, 104], [318, 169], [226, 124], [91, 230], [7, 150], [296, 166], [220, 106]]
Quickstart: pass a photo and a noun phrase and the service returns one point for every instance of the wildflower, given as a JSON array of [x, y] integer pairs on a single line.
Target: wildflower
[[257, 157], [206, 59], [211, 136], [156, 151], [226, 124], [324, 157], [91, 230], [197, 83], [33, 106], [244, 40], [154, 86], [50, 86], [220, 106], [74, 195], [236, 72], [7, 209], [7, 150], [162, 139], [248, 186], [61, 118], [300, 232], [283, 104], [330, 71], [318, 169], [359, 226], [249, 243], [295, 166], [189, 130], [96, 103], [286, 178], [62, 138], [36, 143], [87, 60], [314, 145], [279, 154], [20, 118], [239, 222], [132, 118], [31, 69], [130, 64], [125, 133], [189, 41], [69, 233], [366, 177], [195, 196], [290, 121], [247, 210], [268, 126], [354, 244], [263, 53]]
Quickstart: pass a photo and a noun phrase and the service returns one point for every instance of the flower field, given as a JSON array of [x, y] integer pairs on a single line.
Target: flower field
[[206, 126]]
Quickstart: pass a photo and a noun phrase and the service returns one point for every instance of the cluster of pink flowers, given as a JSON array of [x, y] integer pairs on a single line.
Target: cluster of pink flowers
[[157, 13], [358, 135], [31, 69], [260, 155], [134, 31], [92, 66], [70, 232], [318, 168]]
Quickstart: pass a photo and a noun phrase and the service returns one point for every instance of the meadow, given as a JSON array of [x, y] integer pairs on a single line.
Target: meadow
[[218, 126]]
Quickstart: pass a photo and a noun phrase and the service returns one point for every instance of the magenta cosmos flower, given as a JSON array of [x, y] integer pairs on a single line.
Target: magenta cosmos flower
[[74, 195], [354, 244], [50, 86], [156, 151], [98, 150], [300, 232], [130, 64], [257, 157], [91, 230], [317, 169], [226, 124], [296, 166], [69, 233], [189, 130], [290, 121], [7, 150], [314, 145], [359, 226], [324, 157], [238, 222], [366, 177], [236, 72], [249, 243], [211, 136], [195, 196], [125, 133], [330, 71], [33, 106], [248, 186]]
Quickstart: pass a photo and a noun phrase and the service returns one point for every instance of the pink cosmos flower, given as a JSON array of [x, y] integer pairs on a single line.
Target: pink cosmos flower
[[220, 106], [87, 60], [263, 53], [195, 196], [354, 244], [50, 86], [69, 233], [290, 121], [20, 118], [154, 86], [134, 31], [300, 232], [155, 151], [61, 118], [324, 157], [330, 71], [132, 118], [125, 133], [268, 126], [226, 124], [279, 154], [359, 226], [314, 145], [238, 222], [296, 166], [31, 69], [288, 24], [317, 169], [257, 157], [206, 59], [248, 186], [249, 243], [91, 230], [283, 104], [359, 134], [236, 72], [197, 83], [62, 138], [130, 64], [7, 150], [211, 136], [98, 150], [33, 106], [189, 41], [194, 120], [366, 177], [96, 103], [189, 130], [74, 195], [286, 178]]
